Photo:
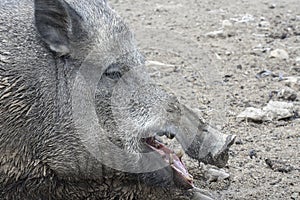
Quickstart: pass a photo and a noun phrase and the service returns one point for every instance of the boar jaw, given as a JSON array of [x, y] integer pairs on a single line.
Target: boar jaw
[[181, 174]]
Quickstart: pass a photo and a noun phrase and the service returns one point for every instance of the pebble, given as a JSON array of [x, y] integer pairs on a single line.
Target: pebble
[[264, 24], [251, 113], [252, 153], [272, 6], [216, 34], [276, 182], [295, 195], [228, 53], [226, 24], [279, 110], [280, 54], [274, 110], [287, 94], [238, 142], [279, 166], [214, 174], [239, 67], [260, 49], [264, 73], [293, 82]]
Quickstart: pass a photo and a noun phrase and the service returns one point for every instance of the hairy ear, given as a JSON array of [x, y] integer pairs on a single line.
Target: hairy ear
[[54, 23]]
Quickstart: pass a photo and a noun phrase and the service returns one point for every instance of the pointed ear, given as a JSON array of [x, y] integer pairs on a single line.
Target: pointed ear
[[54, 24]]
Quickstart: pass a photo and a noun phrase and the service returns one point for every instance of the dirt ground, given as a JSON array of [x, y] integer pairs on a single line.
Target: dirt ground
[[209, 54]]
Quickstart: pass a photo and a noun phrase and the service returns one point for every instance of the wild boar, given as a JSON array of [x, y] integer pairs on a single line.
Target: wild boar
[[78, 114]]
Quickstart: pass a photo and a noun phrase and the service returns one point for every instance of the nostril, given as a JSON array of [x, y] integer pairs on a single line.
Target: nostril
[[168, 134], [161, 133]]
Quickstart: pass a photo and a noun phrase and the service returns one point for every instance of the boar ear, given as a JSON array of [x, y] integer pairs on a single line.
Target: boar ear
[[54, 24]]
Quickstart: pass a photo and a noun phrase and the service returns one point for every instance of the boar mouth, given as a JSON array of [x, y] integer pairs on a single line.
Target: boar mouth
[[182, 178]]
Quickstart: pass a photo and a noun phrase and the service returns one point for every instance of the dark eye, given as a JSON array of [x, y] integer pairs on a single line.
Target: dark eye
[[113, 71]]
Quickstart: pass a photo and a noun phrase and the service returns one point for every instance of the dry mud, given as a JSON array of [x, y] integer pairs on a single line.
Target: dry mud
[[216, 57]]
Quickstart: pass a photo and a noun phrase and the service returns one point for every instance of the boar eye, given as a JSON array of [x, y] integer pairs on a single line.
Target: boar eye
[[113, 71]]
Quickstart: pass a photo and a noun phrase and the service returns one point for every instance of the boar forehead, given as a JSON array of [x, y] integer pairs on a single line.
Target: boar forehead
[[106, 30]]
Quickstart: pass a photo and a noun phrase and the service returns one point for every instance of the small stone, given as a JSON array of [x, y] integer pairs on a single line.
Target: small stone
[[251, 113], [226, 24], [264, 73], [262, 18], [272, 6], [279, 166], [287, 94], [238, 142], [295, 195], [260, 49], [215, 174], [296, 69], [280, 54], [264, 24], [297, 59], [293, 82], [276, 182], [275, 110], [228, 53], [6, 53], [252, 153], [279, 110], [216, 34], [239, 67], [218, 57]]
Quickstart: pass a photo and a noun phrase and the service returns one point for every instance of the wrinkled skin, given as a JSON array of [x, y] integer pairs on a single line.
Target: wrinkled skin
[[47, 148]]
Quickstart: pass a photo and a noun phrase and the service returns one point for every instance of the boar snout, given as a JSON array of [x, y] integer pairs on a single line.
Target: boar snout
[[201, 141]]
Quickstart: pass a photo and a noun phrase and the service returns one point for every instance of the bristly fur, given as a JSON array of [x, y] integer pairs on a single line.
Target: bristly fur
[[44, 44]]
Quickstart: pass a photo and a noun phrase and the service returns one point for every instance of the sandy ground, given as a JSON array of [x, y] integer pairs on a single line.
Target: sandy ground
[[208, 53]]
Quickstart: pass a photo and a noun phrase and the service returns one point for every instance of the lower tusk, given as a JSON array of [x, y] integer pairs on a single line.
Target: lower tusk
[[171, 159], [180, 154]]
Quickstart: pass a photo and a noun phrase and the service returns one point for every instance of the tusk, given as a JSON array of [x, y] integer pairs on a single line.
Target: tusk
[[180, 154], [171, 159]]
